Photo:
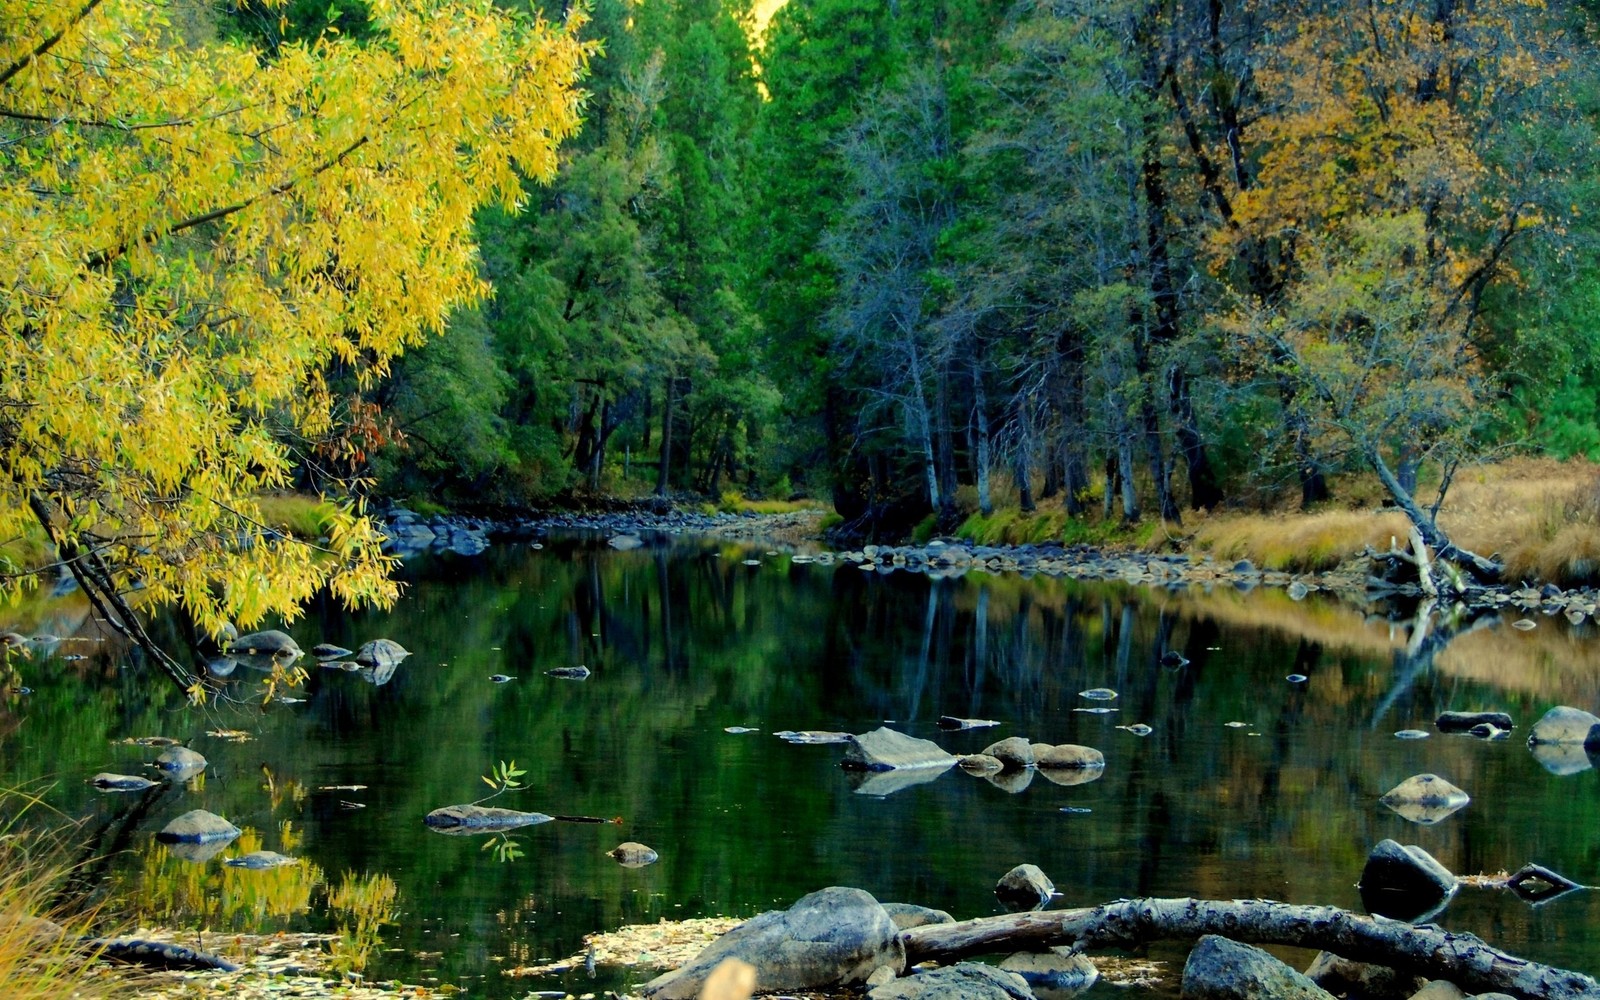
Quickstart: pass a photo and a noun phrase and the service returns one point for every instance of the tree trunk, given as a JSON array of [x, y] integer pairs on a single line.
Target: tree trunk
[[1022, 463], [1425, 951], [1485, 570], [945, 445], [668, 407], [1204, 493], [1130, 497], [980, 415]]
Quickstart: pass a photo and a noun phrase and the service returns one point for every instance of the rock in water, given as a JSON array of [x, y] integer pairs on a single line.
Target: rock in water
[[1425, 798], [108, 782], [623, 543], [198, 827], [1066, 755], [980, 763], [962, 981], [1563, 724], [328, 651], [1220, 969], [883, 749], [1343, 977], [273, 643], [953, 723], [480, 819], [1055, 974], [1025, 887], [1404, 882], [578, 673], [1015, 752], [631, 855], [1460, 722], [181, 763], [909, 915], [261, 860], [381, 653], [835, 936]]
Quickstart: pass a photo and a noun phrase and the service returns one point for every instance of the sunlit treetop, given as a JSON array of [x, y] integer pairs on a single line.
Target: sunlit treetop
[[191, 233]]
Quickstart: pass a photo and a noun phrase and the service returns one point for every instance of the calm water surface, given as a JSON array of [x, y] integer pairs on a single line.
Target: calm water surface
[[684, 639]]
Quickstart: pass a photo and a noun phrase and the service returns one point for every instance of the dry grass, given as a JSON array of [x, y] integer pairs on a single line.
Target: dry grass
[[1297, 543], [1541, 516], [39, 957]]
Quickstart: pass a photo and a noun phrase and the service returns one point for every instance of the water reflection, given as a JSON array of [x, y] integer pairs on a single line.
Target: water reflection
[[685, 643]]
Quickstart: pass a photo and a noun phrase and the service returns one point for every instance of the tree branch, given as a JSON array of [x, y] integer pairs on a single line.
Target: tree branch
[[1425, 951], [48, 44]]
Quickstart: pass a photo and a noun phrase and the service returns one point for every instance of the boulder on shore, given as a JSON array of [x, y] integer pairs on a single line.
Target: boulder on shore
[[1343, 977], [962, 981], [835, 936], [1220, 969]]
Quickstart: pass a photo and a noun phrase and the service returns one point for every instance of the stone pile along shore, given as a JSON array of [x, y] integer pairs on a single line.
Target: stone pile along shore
[[1358, 578]]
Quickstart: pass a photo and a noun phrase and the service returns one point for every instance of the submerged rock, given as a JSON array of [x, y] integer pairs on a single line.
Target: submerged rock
[[1066, 756], [328, 651], [623, 543], [107, 782], [1460, 722], [181, 763], [832, 937], [198, 827], [951, 722], [1425, 798], [1014, 752], [812, 736], [480, 819], [1404, 882], [1098, 694], [629, 854], [381, 653], [1220, 969], [261, 860], [884, 749], [1025, 887], [577, 673], [962, 981], [1563, 724], [1056, 974], [278, 645]]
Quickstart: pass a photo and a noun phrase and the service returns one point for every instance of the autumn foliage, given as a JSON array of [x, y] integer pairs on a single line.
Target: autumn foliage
[[191, 234]]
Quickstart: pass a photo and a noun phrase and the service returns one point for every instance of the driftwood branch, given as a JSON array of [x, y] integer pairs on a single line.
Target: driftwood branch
[[1424, 951]]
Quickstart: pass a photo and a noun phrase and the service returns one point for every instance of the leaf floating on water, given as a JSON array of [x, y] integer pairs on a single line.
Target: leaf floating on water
[[1412, 734], [1236, 725], [1076, 810], [341, 788], [231, 735], [739, 730], [345, 804], [1095, 711], [1138, 729], [1098, 694]]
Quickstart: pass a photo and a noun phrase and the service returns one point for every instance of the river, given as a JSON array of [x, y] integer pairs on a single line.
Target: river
[[688, 637]]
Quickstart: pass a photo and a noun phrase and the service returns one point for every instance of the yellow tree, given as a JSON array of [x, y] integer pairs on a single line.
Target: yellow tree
[[1389, 212], [191, 233]]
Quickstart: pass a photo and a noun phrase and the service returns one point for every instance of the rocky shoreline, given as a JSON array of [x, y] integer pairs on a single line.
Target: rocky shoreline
[[1361, 578]]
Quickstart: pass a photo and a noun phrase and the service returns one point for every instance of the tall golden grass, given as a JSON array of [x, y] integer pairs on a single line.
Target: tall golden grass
[[1542, 517], [40, 958]]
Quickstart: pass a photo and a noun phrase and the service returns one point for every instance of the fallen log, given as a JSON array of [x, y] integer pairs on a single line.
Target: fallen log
[[1426, 951]]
